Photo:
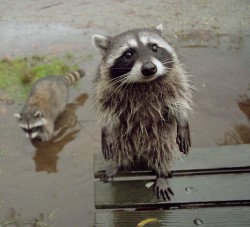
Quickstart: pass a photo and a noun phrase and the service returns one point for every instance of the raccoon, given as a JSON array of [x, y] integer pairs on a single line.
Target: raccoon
[[142, 97], [47, 99]]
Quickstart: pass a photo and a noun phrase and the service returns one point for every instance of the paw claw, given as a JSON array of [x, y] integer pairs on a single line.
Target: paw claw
[[110, 172], [166, 195], [162, 189], [104, 178], [170, 191]]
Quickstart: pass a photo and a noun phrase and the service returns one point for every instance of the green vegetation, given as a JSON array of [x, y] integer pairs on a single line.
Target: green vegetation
[[17, 75]]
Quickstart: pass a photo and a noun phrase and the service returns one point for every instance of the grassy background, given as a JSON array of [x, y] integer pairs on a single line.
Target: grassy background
[[18, 75]]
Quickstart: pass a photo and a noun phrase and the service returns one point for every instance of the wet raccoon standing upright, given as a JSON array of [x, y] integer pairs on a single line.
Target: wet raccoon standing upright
[[47, 99], [142, 95]]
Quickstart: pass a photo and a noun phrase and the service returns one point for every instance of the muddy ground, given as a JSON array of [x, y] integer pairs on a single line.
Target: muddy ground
[[52, 182]]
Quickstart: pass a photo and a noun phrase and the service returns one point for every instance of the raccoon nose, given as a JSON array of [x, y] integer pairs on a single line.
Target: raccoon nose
[[148, 69]]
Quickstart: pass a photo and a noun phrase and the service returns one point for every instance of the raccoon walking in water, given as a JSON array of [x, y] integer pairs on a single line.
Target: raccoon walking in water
[[142, 98], [47, 99]]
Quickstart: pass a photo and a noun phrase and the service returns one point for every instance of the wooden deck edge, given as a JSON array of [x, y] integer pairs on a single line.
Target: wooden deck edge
[[223, 159]]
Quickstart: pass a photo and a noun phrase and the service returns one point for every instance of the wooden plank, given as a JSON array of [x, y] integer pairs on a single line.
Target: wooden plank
[[223, 216], [199, 161], [201, 189]]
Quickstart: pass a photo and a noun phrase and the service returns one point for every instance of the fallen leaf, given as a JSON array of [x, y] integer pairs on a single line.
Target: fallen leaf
[[149, 184], [146, 221]]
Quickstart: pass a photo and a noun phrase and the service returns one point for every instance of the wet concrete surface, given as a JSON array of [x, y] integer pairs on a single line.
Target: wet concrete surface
[[53, 182]]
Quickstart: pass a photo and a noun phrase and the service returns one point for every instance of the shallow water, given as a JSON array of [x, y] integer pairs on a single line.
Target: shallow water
[[221, 74], [53, 182]]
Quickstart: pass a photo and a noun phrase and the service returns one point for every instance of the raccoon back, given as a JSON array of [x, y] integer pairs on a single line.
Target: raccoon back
[[50, 93]]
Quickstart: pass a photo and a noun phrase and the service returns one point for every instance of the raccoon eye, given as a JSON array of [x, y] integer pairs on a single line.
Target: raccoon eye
[[154, 48], [128, 55]]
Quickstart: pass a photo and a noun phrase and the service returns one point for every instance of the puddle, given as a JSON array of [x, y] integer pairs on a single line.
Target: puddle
[[47, 153], [41, 178], [221, 75]]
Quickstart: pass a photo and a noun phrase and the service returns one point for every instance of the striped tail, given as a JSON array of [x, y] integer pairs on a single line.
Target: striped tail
[[74, 76]]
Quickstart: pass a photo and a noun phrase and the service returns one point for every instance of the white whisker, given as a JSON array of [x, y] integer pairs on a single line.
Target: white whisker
[[166, 62], [119, 87], [114, 81]]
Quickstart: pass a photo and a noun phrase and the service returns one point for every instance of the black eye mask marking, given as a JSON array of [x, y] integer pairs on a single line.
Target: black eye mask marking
[[162, 55], [128, 55], [154, 47], [123, 64], [31, 130], [126, 61]]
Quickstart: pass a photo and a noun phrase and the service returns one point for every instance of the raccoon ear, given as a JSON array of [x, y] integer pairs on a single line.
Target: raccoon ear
[[17, 115], [38, 114], [100, 42], [159, 27]]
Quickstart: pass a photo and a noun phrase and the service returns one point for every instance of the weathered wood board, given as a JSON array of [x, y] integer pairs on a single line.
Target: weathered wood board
[[205, 217], [199, 161], [211, 185], [201, 189]]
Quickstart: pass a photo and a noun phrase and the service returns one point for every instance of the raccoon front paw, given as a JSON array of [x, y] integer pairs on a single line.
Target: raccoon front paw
[[106, 150], [106, 144], [162, 189], [110, 172], [183, 139]]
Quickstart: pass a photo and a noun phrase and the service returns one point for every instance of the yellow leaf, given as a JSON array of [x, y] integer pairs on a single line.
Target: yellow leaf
[[146, 221]]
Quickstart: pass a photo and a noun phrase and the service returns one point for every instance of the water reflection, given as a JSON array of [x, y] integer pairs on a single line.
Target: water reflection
[[241, 132], [67, 127]]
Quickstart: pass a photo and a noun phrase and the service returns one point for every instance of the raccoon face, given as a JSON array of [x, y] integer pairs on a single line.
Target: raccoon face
[[32, 124], [139, 55]]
